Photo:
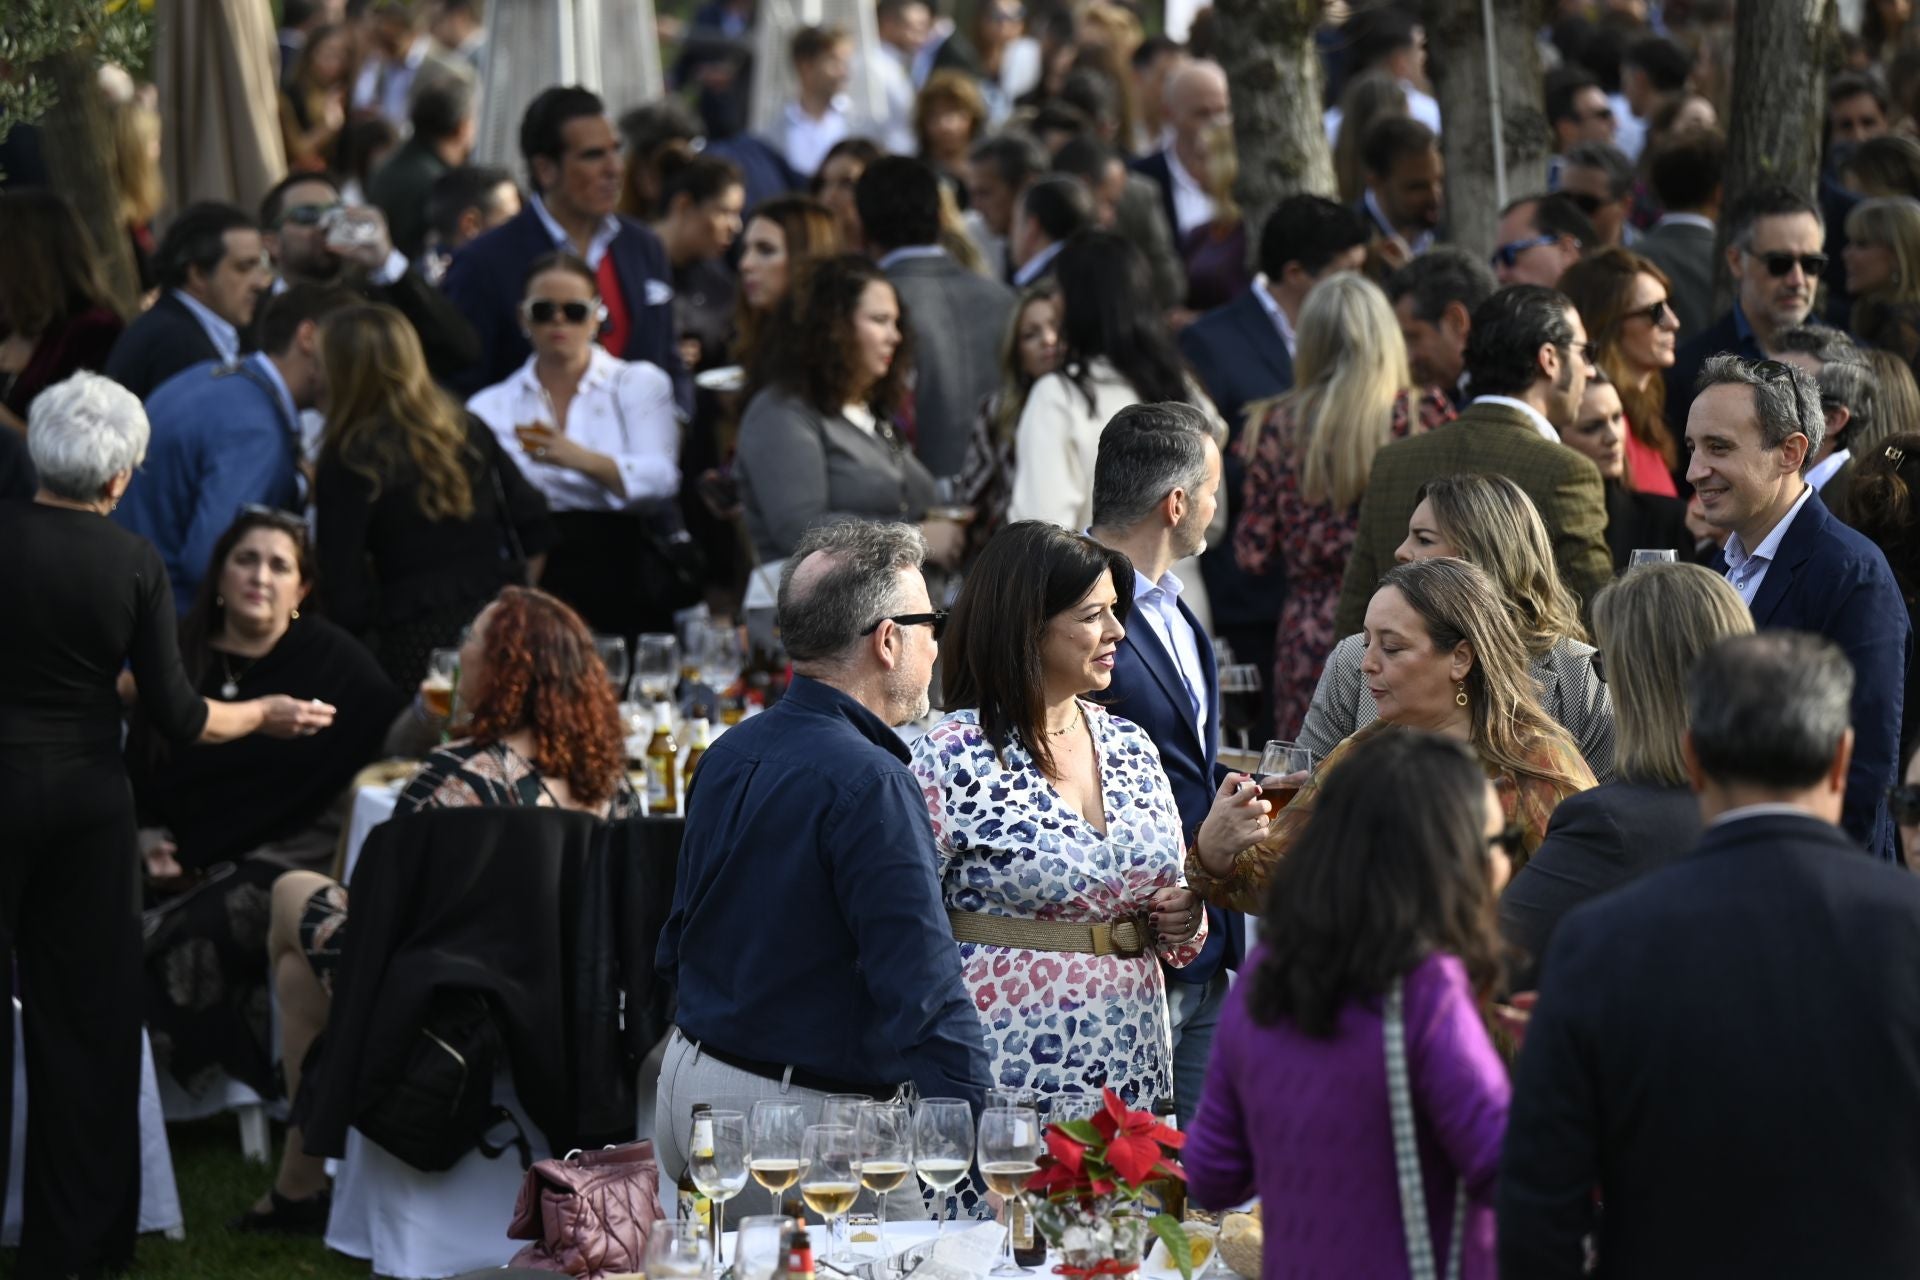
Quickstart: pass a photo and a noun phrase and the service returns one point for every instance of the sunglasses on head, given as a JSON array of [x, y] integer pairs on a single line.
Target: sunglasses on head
[[1778, 264], [1508, 254], [545, 311], [937, 620]]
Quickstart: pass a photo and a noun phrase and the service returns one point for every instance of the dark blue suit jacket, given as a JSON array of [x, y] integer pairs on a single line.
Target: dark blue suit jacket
[[488, 277], [1726, 1048], [1154, 165], [1147, 690], [1830, 580], [164, 341]]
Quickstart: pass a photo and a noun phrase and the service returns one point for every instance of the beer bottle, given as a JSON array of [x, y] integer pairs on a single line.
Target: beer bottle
[[800, 1256], [663, 763], [1029, 1247], [692, 1207], [702, 739], [1166, 1195]]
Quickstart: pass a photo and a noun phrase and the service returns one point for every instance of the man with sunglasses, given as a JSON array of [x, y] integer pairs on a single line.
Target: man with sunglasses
[[1774, 250], [1849, 394], [1598, 178], [1539, 237]]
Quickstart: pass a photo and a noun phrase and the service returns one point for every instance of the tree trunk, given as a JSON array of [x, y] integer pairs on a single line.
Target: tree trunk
[[1266, 48], [1457, 43], [1782, 51], [77, 136]]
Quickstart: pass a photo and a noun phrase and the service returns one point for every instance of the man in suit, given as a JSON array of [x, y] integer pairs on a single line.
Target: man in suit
[[958, 317], [1752, 432], [1849, 393], [1434, 298], [1406, 193], [442, 139], [1196, 103], [573, 159], [1686, 177], [1053, 209], [998, 169], [1723, 1047], [1528, 359], [1774, 250], [1128, 203], [226, 436], [212, 271], [1156, 482]]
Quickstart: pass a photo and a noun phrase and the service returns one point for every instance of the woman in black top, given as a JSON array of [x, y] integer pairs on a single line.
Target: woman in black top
[[421, 518], [86, 598]]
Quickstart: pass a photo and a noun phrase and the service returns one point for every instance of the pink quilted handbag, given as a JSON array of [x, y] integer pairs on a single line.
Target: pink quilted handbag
[[589, 1214]]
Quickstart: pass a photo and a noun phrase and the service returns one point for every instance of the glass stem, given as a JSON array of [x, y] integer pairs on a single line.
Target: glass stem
[[883, 1225]]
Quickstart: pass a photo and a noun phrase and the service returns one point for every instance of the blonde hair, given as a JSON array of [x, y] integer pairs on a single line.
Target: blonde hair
[[1350, 369], [1492, 523], [385, 416], [1653, 625], [1015, 385], [1896, 403], [1894, 223], [136, 137]]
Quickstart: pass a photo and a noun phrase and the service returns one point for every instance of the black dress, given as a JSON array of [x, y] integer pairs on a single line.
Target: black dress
[[407, 584], [1646, 521], [84, 597]]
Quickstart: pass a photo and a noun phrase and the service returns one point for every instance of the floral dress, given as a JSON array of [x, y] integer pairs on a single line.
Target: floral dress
[[1059, 1022], [1314, 539]]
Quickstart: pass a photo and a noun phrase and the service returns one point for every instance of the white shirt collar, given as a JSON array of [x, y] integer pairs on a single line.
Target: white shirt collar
[[603, 369], [596, 249], [1685, 220], [1263, 292], [1772, 809], [1540, 422], [1828, 466], [1737, 555], [907, 252], [1038, 263], [1169, 587], [837, 106], [225, 338], [1180, 175]]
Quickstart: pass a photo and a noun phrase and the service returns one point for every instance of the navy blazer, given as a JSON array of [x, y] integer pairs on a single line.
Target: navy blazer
[[1832, 581], [1237, 354], [1147, 689], [164, 341], [1154, 165], [487, 279], [1726, 1048]]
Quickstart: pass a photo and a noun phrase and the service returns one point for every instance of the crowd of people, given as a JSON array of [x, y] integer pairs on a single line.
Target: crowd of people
[[969, 395]]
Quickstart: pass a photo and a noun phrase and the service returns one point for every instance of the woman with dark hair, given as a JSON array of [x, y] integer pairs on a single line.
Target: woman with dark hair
[[1623, 300], [421, 518], [834, 184], [314, 99], [543, 730], [1884, 504], [56, 316], [783, 237], [1056, 827], [819, 443], [700, 201], [1635, 519], [1115, 352], [1379, 911], [224, 821]]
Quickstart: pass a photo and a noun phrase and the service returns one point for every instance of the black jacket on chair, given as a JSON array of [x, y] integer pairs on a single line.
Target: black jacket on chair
[[552, 915], [1729, 1049]]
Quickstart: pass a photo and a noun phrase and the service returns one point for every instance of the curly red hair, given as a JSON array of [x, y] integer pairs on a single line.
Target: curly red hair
[[544, 674]]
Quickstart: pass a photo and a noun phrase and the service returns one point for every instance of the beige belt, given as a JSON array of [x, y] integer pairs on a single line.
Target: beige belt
[[1130, 937]]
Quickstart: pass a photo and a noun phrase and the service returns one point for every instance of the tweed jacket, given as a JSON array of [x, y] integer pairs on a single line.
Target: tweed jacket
[[1489, 439]]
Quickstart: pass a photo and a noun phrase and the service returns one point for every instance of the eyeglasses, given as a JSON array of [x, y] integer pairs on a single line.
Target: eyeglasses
[[1508, 254], [1904, 802], [1511, 841], [937, 620], [1778, 264], [1653, 313], [309, 215], [544, 310]]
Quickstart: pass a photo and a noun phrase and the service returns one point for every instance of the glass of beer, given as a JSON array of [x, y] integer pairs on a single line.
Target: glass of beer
[[1284, 766], [443, 676]]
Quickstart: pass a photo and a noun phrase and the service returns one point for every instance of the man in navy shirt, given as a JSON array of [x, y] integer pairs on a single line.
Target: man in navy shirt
[[807, 940]]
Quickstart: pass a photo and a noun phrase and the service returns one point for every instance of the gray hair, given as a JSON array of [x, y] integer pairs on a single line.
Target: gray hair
[[1770, 709], [1783, 404], [83, 432], [1609, 160], [1845, 377], [860, 585], [1146, 452]]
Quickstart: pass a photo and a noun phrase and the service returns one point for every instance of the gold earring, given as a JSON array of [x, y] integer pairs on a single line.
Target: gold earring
[[1460, 698], [296, 613]]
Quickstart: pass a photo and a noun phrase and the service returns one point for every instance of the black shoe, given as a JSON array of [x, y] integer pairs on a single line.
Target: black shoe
[[306, 1217]]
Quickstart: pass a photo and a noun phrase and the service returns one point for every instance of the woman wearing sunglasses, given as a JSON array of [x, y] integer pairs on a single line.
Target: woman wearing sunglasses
[[599, 437], [1623, 300]]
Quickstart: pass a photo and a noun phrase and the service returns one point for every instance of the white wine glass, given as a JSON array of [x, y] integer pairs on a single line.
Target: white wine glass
[[773, 1144], [843, 1108], [718, 1165], [1643, 555], [828, 1183], [883, 1136], [656, 668], [942, 1148], [721, 658], [613, 653], [679, 1251], [756, 1246], [1009, 1153]]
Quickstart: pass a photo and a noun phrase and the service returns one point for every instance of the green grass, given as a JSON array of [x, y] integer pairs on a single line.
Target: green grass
[[216, 1184]]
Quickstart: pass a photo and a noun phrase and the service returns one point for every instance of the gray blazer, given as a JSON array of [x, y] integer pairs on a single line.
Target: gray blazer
[[1685, 253], [798, 467], [958, 319]]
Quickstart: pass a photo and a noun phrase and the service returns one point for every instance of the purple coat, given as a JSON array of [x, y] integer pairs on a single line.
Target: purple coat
[[1303, 1123]]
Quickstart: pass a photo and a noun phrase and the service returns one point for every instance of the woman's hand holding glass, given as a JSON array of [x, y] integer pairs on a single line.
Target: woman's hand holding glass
[[1237, 821]]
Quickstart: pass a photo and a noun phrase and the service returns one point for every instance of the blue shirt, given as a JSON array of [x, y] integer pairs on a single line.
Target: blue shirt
[[807, 927]]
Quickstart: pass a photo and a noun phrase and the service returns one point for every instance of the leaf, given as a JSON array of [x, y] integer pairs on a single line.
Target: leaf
[[1133, 1157], [1081, 1131], [1174, 1237], [1063, 1147]]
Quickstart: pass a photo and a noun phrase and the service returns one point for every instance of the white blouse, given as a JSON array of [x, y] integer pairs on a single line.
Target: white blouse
[[624, 409]]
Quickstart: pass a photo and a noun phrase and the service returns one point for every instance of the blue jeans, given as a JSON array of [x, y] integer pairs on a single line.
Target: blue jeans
[[1194, 1009]]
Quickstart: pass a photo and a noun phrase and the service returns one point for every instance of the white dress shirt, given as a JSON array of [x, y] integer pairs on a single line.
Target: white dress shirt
[[624, 409], [810, 138], [1159, 604], [1746, 570], [1263, 294], [1192, 206], [1421, 105], [596, 248], [1828, 468], [1539, 419], [225, 338], [1032, 268]]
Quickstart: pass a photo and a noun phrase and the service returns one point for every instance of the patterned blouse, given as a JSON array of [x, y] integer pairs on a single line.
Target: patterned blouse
[[1529, 802], [464, 774]]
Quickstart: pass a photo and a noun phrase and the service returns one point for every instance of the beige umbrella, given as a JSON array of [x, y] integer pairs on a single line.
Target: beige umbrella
[[214, 63]]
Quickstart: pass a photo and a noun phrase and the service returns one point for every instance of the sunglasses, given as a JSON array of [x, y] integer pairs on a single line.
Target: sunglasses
[[545, 311], [285, 521], [1586, 201], [309, 215], [1904, 802], [1653, 313], [1508, 254], [1778, 264], [937, 620], [1510, 842]]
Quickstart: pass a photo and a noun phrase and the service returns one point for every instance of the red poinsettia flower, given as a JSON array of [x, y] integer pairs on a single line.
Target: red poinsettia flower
[[1064, 1148]]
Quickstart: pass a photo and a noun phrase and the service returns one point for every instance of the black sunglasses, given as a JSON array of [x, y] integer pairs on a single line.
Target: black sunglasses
[[1904, 802], [937, 620], [1510, 841], [1653, 313], [543, 311], [1778, 264], [1772, 370], [309, 215], [1508, 254]]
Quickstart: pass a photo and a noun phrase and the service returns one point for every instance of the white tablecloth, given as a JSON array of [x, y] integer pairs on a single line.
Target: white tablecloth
[[371, 807]]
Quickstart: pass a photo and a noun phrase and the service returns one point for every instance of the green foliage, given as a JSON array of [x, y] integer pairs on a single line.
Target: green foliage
[[1174, 1237], [31, 31]]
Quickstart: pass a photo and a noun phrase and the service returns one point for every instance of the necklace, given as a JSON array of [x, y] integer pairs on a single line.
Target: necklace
[[230, 687], [1055, 733]]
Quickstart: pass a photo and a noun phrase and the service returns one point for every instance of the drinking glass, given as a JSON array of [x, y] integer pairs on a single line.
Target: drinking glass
[[443, 677], [1643, 556], [721, 659], [842, 1108], [679, 1251], [942, 1148], [719, 1169], [828, 1184], [1075, 1106], [756, 1246], [656, 668], [773, 1144], [1009, 1154], [1283, 767], [613, 652], [883, 1140]]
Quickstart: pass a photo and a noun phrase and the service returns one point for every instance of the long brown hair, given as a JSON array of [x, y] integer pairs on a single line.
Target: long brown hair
[[48, 272], [385, 416], [811, 233], [814, 361], [1495, 526], [1598, 286]]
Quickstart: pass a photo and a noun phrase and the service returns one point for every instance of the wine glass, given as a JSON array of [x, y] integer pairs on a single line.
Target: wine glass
[[756, 1245], [656, 668], [1283, 767], [1640, 556], [827, 1182], [842, 1108], [942, 1148], [679, 1251], [718, 1165], [773, 1144], [1009, 1153], [721, 659], [883, 1138], [613, 652]]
